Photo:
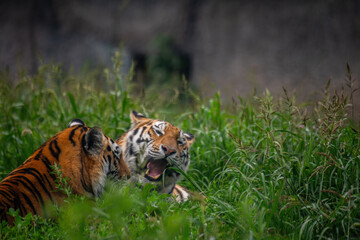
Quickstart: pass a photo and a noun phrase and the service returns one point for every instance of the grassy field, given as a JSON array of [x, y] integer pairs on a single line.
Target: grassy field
[[270, 168]]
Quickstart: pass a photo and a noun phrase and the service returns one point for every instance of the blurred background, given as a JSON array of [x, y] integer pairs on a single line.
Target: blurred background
[[231, 46]]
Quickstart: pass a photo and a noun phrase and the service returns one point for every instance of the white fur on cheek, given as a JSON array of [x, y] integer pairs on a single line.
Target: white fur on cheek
[[137, 148]]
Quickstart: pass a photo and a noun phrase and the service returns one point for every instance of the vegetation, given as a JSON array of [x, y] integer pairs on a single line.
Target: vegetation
[[270, 168]]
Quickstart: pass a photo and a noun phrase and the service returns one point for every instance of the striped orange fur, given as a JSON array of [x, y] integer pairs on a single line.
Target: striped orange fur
[[84, 155]]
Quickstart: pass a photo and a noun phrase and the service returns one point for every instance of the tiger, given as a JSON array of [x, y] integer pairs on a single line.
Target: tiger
[[83, 155], [151, 149]]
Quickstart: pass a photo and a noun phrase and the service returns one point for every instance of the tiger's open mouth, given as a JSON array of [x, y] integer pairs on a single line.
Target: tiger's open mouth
[[156, 168]]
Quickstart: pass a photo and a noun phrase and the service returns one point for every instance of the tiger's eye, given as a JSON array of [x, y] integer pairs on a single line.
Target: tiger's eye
[[158, 132]]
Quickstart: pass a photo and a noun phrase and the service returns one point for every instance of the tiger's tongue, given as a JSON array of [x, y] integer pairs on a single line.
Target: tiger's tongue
[[156, 168]]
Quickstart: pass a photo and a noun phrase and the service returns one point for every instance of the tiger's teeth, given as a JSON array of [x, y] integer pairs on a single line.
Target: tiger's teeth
[[156, 176]]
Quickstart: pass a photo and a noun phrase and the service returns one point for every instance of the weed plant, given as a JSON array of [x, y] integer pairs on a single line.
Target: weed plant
[[270, 168]]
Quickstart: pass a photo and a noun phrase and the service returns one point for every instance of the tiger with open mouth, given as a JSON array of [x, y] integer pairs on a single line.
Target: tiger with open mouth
[[153, 150]]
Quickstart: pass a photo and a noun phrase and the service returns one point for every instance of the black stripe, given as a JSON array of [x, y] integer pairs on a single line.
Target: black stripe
[[15, 171], [86, 186], [135, 131], [47, 180], [186, 162], [9, 181], [30, 171], [57, 147], [6, 195], [142, 131], [48, 166], [130, 147], [21, 206], [39, 178], [109, 163], [180, 194], [46, 162], [16, 202], [34, 192], [28, 201], [7, 185], [83, 141], [72, 135], [38, 155], [83, 183], [117, 149], [55, 152], [6, 205], [115, 157]]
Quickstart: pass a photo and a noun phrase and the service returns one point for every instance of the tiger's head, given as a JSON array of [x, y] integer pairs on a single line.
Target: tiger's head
[[89, 156], [152, 148]]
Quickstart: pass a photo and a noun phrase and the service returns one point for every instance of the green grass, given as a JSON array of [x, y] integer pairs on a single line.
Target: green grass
[[270, 168]]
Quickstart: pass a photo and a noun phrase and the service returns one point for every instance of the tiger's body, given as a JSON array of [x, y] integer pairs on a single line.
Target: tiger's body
[[84, 155], [150, 148]]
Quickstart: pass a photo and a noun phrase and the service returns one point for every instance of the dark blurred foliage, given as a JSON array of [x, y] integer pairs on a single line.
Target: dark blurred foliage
[[232, 46]]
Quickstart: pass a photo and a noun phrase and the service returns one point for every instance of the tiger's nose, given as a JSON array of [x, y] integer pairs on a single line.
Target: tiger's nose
[[167, 150]]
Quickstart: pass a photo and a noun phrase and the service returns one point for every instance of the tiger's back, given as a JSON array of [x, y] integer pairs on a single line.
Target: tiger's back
[[84, 155]]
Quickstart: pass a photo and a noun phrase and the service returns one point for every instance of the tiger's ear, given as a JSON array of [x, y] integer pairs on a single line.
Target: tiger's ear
[[189, 138], [75, 122], [136, 118], [93, 141]]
